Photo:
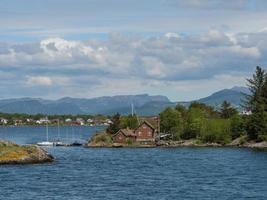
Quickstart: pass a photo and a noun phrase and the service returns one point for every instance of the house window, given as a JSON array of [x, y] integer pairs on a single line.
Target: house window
[[149, 134], [139, 133]]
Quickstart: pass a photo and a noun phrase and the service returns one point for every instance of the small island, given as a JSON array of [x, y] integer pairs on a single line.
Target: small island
[[11, 153]]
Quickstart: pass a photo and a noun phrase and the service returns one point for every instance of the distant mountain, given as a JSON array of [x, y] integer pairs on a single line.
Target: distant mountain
[[233, 95], [35, 106], [67, 105], [144, 104]]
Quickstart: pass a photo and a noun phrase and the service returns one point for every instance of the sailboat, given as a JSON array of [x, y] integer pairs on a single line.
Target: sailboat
[[74, 142], [58, 142], [46, 143]]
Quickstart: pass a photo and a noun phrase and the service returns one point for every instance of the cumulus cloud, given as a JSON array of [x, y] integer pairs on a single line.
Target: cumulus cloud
[[169, 56], [132, 62]]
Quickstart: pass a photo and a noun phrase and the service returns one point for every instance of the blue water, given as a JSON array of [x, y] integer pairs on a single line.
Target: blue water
[[156, 173]]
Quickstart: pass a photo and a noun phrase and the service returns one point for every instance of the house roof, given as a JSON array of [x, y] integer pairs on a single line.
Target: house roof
[[147, 123], [127, 132], [152, 120]]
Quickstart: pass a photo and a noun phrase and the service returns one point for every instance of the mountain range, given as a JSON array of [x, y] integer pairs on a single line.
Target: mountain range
[[144, 104]]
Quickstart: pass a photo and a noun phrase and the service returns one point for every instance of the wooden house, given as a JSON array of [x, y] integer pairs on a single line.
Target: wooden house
[[123, 135], [145, 132]]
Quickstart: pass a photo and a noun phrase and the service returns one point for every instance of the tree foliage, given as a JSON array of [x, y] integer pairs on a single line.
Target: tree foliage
[[227, 110], [116, 124], [195, 122], [256, 126], [171, 122], [237, 126], [129, 121]]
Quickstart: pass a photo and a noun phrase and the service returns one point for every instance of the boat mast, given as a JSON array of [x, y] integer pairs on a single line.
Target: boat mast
[[132, 109], [58, 132], [46, 129]]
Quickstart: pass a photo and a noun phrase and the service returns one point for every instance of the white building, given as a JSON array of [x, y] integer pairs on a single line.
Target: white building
[[3, 121], [80, 121], [68, 120], [42, 121], [246, 112]]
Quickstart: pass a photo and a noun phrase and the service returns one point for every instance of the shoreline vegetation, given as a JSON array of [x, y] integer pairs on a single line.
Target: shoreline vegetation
[[11, 153], [196, 125], [104, 140]]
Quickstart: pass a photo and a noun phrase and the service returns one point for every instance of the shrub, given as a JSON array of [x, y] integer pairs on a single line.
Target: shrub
[[237, 126], [102, 137], [171, 122], [216, 130], [195, 123]]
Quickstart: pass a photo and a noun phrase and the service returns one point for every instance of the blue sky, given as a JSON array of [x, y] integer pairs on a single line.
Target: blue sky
[[87, 48]]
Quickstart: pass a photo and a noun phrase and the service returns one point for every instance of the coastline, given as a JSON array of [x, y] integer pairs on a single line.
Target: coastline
[[106, 142]]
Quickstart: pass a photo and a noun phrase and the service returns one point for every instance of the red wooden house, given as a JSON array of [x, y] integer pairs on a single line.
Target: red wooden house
[[145, 132], [122, 135]]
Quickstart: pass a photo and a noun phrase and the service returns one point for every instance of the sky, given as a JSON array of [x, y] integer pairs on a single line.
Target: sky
[[184, 50]]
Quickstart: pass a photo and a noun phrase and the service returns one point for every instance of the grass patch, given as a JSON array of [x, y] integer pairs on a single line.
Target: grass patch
[[101, 138], [11, 151]]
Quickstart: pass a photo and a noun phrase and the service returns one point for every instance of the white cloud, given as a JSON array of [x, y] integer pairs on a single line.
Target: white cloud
[[166, 62], [39, 81], [169, 56]]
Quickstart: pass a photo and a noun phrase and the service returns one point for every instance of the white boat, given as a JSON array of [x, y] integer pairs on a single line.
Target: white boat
[[46, 143], [58, 143]]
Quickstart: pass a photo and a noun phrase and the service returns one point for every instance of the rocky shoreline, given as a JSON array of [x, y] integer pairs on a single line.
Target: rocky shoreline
[[107, 143], [11, 153]]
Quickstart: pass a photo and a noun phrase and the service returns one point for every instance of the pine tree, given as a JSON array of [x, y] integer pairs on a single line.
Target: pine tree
[[257, 103], [116, 124], [227, 110], [256, 86]]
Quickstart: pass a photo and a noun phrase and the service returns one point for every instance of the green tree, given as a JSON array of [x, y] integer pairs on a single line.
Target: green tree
[[196, 121], [216, 130], [116, 124], [129, 121], [227, 110], [171, 122], [256, 85], [236, 126], [209, 111], [257, 102], [182, 109]]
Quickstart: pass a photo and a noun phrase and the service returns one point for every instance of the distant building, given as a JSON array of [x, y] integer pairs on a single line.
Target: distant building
[[3, 121], [68, 120], [90, 121], [80, 121], [29, 120], [144, 133], [246, 112], [42, 121], [123, 135], [17, 122]]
